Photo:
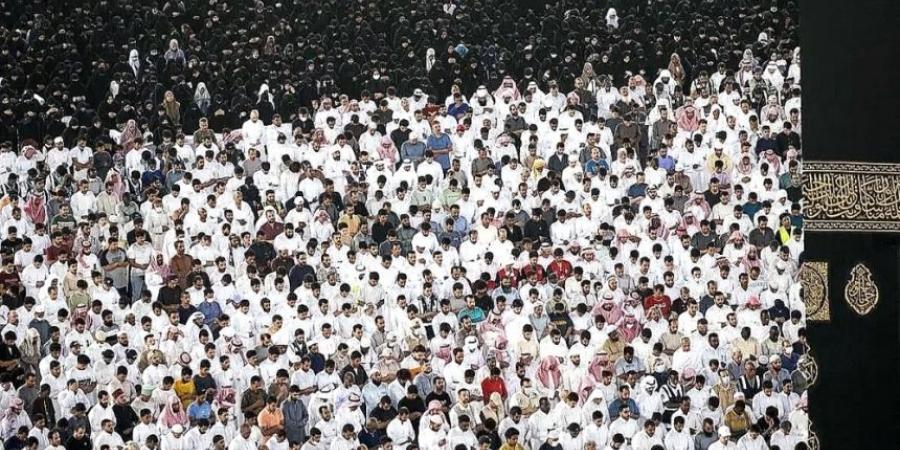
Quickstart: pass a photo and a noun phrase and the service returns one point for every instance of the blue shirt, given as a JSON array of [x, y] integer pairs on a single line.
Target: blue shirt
[[617, 405], [637, 190], [593, 167], [475, 314], [370, 439], [460, 225], [150, 176], [317, 361], [211, 311], [763, 144], [458, 111], [415, 152], [751, 209], [199, 411], [437, 143], [455, 238], [666, 162]]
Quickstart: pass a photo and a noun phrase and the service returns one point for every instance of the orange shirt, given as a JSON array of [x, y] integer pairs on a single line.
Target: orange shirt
[[268, 419]]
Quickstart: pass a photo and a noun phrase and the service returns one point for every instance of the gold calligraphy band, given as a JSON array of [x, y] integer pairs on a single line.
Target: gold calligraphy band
[[851, 196]]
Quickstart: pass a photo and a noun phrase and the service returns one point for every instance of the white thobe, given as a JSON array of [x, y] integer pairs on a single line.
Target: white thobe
[[113, 440], [402, 433]]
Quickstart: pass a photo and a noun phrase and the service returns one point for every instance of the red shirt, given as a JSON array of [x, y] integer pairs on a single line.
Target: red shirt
[[270, 231], [490, 385], [664, 302], [53, 251], [562, 269], [512, 274], [10, 279], [536, 269]]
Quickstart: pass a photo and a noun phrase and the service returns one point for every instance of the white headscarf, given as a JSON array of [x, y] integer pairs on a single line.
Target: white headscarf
[[794, 69], [507, 87], [670, 85], [201, 96], [265, 94], [772, 74], [429, 59], [612, 19], [134, 61]]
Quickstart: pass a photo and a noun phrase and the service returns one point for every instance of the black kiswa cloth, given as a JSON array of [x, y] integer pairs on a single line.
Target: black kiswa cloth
[[853, 403]]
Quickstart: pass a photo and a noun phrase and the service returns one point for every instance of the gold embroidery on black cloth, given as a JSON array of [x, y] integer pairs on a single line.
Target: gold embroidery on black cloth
[[861, 292], [814, 279], [851, 196], [813, 440], [808, 366], [809, 371]]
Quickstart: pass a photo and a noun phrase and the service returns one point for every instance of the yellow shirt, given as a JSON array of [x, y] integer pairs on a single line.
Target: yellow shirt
[[725, 395], [185, 392], [727, 165], [614, 349], [352, 222], [738, 423], [748, 347], [784, 234]]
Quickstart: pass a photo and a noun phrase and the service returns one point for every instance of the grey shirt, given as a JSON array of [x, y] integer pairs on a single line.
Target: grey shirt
[[118, 275]]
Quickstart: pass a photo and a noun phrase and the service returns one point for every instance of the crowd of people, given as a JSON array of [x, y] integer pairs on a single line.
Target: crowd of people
[[350, 225]]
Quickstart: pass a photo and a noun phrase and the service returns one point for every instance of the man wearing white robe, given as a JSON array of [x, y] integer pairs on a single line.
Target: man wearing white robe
[[108, 436], [462, 434], [724, 441], [199, 436], [401, 431], [347, 440], [243, 441], [647, 438], [434, 437], [253, 131], [541, 423], [678, 438]]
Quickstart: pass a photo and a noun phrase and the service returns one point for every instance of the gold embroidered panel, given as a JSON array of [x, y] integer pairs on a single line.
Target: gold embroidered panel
[[861, 292], [851, 196], [814, 279]]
